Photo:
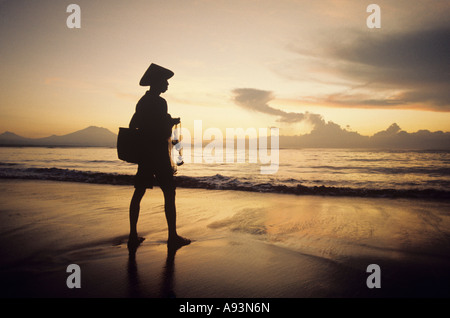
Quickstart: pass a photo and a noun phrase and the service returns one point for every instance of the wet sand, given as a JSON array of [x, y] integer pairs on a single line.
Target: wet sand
[[245, 244]]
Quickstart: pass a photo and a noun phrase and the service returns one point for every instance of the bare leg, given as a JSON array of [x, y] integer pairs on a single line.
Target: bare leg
[[170, 210], [134, 214], [171, 216]]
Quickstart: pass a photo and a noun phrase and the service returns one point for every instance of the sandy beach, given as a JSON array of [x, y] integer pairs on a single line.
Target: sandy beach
[[245, 244]]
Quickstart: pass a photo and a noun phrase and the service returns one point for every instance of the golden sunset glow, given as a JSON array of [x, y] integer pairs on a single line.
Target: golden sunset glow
[[316, 57], [285, 150]]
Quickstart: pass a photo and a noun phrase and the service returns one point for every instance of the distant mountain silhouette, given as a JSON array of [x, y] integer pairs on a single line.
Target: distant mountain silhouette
[[89, 137], [324, 135], [331, 135], [11, 138]]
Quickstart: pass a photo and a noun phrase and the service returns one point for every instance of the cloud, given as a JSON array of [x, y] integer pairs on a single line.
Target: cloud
[[331, 135], [258, 100], [405, 69]]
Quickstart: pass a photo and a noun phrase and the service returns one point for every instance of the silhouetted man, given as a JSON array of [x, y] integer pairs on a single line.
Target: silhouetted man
[[155, 127]]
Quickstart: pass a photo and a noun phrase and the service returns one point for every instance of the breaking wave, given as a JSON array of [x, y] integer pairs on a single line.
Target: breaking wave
[[220, 182]]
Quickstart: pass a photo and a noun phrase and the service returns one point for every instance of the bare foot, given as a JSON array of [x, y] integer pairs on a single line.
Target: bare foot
[[134, 241], [178, 241]]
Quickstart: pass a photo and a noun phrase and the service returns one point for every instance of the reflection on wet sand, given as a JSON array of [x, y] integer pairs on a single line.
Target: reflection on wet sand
[[136, 288]]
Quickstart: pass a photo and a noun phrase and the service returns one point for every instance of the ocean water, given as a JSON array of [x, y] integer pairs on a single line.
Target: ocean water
[[361, 172]]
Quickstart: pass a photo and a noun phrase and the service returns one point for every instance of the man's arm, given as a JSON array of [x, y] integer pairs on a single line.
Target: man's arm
[[175, 121]]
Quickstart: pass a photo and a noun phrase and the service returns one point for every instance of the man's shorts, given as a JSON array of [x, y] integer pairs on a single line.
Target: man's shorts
[[157, 169]]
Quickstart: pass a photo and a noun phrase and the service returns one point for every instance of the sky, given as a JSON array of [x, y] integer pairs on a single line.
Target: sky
[[293, 64]]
